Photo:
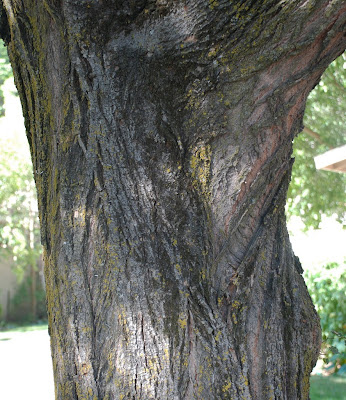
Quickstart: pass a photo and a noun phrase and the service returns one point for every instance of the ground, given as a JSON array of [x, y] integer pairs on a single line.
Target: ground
[[26, 367]]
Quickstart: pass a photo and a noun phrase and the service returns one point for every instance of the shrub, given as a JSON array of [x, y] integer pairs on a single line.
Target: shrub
[[327, 288], [21, 302]]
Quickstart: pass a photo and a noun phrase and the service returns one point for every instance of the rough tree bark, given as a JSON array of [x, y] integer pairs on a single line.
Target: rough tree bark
[[161, 137]]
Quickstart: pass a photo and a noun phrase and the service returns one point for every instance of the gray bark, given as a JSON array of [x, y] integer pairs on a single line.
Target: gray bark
[[161, 137]]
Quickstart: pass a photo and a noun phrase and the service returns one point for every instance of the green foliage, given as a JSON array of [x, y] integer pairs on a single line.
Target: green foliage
[[327, 288], [314, 192], [5, 72]]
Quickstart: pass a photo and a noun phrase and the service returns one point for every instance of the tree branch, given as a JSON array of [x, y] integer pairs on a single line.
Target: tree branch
[[335, 82], [315, 135]]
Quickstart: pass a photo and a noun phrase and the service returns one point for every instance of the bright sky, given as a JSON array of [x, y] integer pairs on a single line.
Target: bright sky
[[12, 131], [320, 246]]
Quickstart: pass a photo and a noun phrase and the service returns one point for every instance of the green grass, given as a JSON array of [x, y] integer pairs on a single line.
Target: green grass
[[327, 388], [322, 387], [23, 328]]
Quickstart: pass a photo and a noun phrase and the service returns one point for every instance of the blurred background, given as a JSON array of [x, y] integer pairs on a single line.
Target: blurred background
[[316, 208]]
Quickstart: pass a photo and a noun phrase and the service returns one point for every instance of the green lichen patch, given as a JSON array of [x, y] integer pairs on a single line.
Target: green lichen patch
[[200, 170]]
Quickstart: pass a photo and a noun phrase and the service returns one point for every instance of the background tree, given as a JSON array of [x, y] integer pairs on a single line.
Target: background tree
[[313, 193], [161, 135], [19, 225]]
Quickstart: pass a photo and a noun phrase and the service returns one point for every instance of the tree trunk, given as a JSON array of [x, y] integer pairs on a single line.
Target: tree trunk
[[33, 263], [161, 137]]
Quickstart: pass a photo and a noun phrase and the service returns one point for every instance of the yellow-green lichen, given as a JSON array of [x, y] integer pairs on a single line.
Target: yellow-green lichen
[[200, 169], [227, 386], [182, 321], [308, 363], [213, 4]]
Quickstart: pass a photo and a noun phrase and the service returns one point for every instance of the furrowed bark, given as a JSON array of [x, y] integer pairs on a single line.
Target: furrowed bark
[[161, 137]]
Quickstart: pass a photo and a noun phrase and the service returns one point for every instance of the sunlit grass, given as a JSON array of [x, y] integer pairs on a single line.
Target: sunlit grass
[[322, 387], [12, 328], [327, 387]]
